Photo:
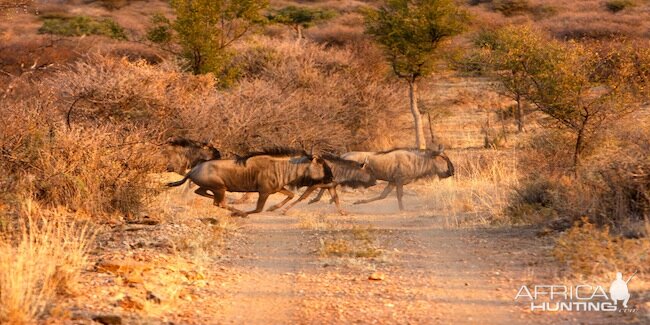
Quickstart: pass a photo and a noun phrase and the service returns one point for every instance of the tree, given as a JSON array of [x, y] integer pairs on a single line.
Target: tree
[[410, 31], [506, 65], [299, 18], [206, 28], [582, 89]]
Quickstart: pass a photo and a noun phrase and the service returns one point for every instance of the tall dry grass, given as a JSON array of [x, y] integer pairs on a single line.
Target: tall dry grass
[[479, 192], [40, 258]]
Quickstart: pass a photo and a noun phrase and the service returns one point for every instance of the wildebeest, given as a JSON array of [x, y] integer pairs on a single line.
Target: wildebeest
[[346, 172], [402, 166], [183, 154], [262, 172]]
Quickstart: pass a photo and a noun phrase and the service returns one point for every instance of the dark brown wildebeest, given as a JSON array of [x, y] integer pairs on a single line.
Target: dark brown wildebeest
[[346, 172], [262, 172], [402, 166], [183, 154]]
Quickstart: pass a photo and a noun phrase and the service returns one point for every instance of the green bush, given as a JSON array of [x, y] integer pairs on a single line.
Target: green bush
[[80, 26], [618, 5], [161, 30]]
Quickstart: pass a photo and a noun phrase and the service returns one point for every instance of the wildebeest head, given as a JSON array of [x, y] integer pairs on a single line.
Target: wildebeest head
[[318, 172], [443, 164], [350, 173], [184, 153]]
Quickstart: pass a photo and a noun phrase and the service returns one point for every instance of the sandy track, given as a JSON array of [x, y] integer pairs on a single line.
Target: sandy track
[[432, 273], [264, 289]]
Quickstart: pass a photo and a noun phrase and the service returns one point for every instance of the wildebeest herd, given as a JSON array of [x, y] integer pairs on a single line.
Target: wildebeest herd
[[277, 170]]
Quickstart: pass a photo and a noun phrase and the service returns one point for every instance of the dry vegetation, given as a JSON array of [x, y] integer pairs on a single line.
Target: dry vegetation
[[83, 117]]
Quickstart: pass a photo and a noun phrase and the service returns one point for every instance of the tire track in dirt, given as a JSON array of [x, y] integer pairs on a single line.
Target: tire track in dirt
[[433, 274], [263, 273]]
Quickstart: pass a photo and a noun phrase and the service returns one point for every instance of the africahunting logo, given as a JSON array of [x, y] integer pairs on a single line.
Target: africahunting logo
[[581, 297]]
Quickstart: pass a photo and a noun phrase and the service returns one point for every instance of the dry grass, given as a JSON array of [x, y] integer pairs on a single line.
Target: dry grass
[[480, 190], [350, 242], [587, 249], [40, 259]]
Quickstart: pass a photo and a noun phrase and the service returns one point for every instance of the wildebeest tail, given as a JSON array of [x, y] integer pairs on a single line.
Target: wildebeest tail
[[179, 183]]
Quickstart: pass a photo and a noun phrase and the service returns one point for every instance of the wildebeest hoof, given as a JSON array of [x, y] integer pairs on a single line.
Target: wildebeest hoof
[[272, 209], [358, 202], [239, 214], [312, 201]]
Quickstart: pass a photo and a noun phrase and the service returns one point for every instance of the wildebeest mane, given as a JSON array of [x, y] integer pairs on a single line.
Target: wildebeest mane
[[338, 160], [193, 144], [185, 142], [305, 181], [272, 151]]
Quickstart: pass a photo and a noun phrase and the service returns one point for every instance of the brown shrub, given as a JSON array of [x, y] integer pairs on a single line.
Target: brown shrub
[[100, 89], [299, 96], [98, 170], [612, 187], [587, 249], [595, 25], [511, 7], [336, 35]]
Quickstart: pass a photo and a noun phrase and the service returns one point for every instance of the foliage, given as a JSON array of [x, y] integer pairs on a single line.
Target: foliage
[[411, 31], [581, 88], [160, 32], [299, 17], [207, 28], [614, 184], [507, 65], [82, 25]]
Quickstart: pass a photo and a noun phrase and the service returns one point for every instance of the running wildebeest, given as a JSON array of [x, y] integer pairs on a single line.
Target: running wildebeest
[[402, 166], [183, 154], [265, 172], [346, 173]]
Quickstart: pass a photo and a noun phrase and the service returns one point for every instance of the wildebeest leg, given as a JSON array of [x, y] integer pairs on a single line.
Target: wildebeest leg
[[381, 196], [289, 197], [202, 191], [243, 199], [335, 198], [400, 194], [261, 200], [220, 201], [219, 198], [318, 196], [305, 195]]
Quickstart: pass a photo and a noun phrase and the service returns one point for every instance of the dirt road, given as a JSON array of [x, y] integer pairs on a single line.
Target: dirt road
[[313, 267]]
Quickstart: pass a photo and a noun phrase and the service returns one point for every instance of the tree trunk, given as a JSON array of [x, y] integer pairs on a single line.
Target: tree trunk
[[433, 137], [420, 141], [298, 34], [577, 151], [519, 116]]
